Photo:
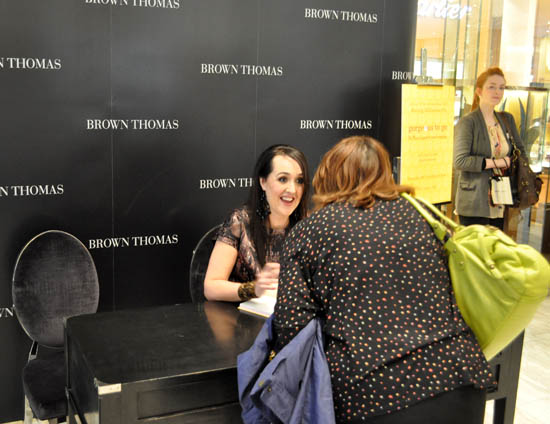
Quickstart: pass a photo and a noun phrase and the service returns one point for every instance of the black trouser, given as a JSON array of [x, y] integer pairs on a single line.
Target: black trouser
[[464, 405], [470, 220]]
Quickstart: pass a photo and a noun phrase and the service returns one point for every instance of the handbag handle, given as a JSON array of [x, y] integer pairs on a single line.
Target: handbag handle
[[516, 153], [440, 228]]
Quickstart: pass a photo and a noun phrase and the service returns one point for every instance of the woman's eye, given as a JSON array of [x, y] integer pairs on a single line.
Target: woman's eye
[[282, 179], [300, 181]]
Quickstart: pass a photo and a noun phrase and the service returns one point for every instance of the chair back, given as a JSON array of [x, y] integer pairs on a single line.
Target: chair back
[[199, 264], [54, 278]]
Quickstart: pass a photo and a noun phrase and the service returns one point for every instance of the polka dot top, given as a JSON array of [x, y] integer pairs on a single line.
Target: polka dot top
[[393, 332]]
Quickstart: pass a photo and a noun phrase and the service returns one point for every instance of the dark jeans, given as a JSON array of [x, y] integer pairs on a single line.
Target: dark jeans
[[464, 405], [470, 220]]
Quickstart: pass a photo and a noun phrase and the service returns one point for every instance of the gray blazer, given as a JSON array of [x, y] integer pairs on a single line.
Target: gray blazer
[[471, 147]]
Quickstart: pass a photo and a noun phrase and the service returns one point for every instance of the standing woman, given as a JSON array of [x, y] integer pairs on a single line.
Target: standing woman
[[482, 148], [244, 261], [369, 265]]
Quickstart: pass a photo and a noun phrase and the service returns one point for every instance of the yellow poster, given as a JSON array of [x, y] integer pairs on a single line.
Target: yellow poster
[[427, 140]]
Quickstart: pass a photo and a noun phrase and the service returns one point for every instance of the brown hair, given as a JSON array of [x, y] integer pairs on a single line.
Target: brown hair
[[356, 170], [480, 82]]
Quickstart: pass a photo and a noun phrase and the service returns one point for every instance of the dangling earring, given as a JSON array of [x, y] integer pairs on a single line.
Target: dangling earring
[[263, 209], [295, 215]]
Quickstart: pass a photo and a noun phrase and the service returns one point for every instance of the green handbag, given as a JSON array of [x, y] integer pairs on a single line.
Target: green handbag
[[498, 284]]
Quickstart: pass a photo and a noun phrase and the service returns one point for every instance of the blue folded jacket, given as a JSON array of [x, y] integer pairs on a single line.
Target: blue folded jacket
[[294, 387]]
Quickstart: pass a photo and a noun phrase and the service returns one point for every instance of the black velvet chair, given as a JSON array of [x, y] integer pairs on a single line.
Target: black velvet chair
[[199, 264], [54, 278]]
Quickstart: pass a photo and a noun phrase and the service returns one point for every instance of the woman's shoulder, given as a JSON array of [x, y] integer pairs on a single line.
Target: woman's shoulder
[[236, 220], [506, 116], [239, 215], [234, 227], [467, 124], [330, 219], [311, 221], [470, 117], [327, 215], [311, 230], [504, 113]]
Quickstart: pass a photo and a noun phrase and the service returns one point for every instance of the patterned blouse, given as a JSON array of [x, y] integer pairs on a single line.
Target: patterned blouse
[[499, 149], [378, 276], [235, 231]]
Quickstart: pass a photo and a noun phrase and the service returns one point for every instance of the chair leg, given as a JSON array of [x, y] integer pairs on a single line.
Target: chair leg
[[28, 412]]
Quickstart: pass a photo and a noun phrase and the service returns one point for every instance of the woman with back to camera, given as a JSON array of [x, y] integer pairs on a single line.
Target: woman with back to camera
[[483, 148], [244, 261], [371, 268]]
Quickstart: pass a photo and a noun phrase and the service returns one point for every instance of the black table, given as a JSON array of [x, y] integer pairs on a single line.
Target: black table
[[173, 364]]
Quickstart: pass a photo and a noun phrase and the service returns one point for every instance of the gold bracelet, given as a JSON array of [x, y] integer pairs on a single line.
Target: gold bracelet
[[246, 291]]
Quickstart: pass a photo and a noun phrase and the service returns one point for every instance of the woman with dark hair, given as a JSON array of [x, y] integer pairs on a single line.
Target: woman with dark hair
[[244, 261], [370, 267], [483, 148]]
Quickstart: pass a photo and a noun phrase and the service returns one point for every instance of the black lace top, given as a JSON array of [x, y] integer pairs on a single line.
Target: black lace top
[[235, 231]]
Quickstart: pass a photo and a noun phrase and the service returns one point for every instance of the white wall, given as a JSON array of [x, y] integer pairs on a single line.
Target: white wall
[[516, 49]]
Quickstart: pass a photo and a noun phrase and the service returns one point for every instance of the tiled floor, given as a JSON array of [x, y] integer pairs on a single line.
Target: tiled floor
[[533, 401]]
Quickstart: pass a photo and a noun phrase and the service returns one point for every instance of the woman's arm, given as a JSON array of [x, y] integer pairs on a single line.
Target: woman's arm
[[462, 149], [216, 283], [502, 163]]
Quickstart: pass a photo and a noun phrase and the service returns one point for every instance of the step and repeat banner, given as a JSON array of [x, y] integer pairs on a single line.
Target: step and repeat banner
[[134, 124]]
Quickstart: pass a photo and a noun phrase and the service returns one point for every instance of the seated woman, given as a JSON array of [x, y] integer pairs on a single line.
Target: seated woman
[[370, 266], [244, 261]]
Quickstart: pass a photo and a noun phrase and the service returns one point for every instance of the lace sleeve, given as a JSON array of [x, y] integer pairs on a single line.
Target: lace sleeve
[[230, 231]]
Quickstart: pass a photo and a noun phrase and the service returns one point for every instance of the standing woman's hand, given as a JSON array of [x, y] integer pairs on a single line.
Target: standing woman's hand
[[501, 163], [267, 278]]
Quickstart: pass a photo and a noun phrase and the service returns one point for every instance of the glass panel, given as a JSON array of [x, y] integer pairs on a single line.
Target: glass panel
[[460, 39], [429, 37], [448, 35], [450, 44], [529, 106], [475, 43]]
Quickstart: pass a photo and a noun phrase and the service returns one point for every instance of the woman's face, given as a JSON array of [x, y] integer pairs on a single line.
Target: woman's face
[[492, 91], [283, 187]]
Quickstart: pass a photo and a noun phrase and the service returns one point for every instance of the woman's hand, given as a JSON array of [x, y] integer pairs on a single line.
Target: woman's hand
[[501, 163], [267, 278]]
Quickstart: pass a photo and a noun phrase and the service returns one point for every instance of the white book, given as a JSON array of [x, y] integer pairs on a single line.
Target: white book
[[262, 306]]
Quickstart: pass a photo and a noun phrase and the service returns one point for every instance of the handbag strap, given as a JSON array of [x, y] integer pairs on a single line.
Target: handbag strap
[[510, 136], [440, 228]]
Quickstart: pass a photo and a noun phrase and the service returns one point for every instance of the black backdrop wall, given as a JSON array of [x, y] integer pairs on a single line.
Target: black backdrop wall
[[136, 124]]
